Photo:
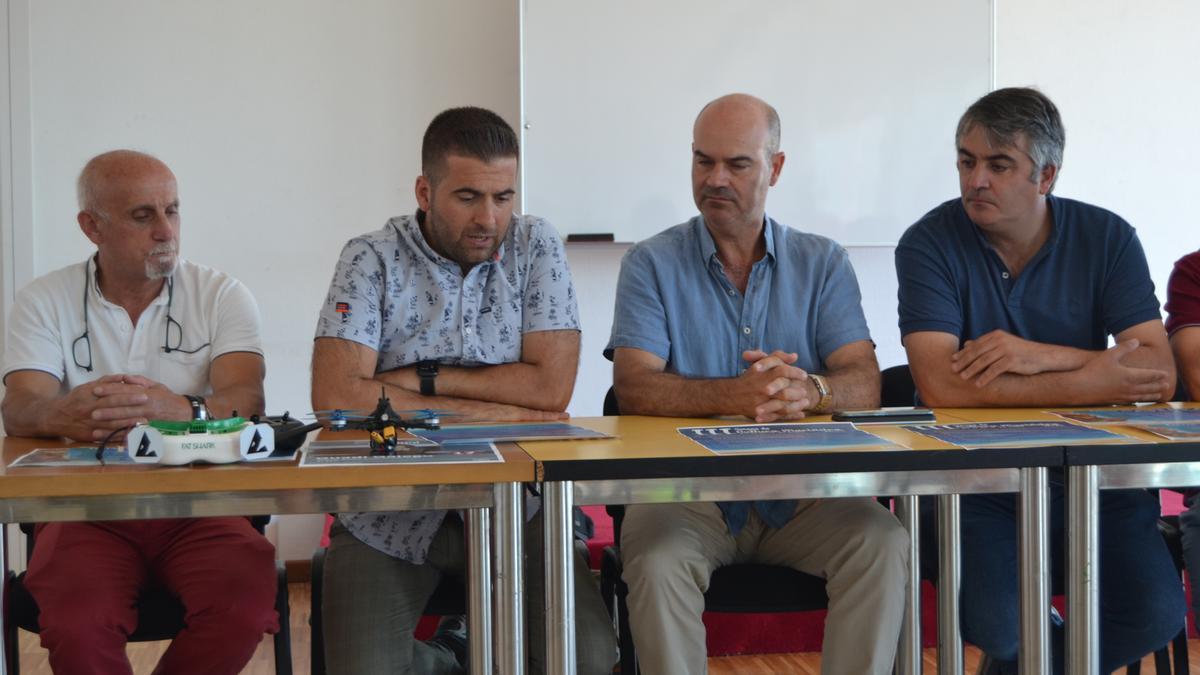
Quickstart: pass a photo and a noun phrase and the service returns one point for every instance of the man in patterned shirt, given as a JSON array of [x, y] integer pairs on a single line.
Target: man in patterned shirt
[[464, 307]]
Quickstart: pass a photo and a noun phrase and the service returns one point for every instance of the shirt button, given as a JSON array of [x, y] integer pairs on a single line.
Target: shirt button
[[732, 292], [467, 330], [1004, 275], [746, 330]]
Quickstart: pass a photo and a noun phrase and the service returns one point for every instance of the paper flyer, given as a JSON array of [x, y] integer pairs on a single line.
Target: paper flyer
[[1130, 415], [538, 431], [1174, 431], [1016, 434], [785, 437], [360, 455]]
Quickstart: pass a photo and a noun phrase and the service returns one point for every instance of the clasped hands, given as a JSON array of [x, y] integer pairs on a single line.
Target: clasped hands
[[772, 388], [115, 402]]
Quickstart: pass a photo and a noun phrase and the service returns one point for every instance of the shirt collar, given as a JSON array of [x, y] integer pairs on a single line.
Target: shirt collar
[[1056, 231], [92, 269], [708, 247], [1051, 240]]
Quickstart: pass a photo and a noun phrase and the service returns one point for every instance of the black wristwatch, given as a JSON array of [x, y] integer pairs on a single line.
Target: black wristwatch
[[199, 407], [427, 371]]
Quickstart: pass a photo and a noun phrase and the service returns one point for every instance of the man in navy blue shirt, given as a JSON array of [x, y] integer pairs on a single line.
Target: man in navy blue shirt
[[731, 313], [1007, 298]]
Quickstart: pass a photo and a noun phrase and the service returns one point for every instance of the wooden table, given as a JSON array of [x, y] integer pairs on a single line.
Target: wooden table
[[120, 492], [1148, 461], [649, 462]]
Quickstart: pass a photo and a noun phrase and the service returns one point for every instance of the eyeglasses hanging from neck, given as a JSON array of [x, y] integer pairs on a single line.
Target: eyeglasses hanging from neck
[[169, 335]]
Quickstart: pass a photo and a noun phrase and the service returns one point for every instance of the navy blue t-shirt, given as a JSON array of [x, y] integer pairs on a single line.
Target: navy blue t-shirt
[[1088, 281]]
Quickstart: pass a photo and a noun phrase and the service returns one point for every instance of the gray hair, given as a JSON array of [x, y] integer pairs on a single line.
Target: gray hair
[[773, 131], [84, 192], [1008, 113]]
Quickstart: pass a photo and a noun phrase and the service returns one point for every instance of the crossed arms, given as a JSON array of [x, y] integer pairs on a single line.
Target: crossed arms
[[538, 387], [1000, 369]]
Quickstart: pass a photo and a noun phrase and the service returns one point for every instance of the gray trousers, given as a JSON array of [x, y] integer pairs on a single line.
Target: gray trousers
[[373, 601], [669, 552]]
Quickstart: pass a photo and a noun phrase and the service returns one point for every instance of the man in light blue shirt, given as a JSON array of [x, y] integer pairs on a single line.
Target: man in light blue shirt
[[732, 313]]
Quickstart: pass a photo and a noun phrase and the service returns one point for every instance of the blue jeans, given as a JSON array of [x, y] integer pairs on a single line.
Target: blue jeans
[[1141, 605]]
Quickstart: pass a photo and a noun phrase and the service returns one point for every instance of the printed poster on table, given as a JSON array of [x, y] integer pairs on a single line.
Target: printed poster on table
[[71, 457], [1173, 431], [1131, 415], [1016, 434], [785, 437], [358, 455], [496, 433], [475, 433]]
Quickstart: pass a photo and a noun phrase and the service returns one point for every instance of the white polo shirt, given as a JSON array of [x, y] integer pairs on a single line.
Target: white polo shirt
[[217, 315]]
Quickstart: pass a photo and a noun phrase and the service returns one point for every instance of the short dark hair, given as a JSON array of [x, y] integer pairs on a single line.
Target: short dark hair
[[1005, 113], [468, 131]]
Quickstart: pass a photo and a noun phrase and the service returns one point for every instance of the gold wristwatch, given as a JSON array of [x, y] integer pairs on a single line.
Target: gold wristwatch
[[822, 386]]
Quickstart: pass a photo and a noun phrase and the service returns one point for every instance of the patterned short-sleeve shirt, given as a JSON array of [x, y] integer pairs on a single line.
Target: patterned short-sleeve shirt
[[393, 293]]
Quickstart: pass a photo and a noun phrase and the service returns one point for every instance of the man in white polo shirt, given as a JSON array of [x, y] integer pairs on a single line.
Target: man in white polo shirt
[[133, 334]]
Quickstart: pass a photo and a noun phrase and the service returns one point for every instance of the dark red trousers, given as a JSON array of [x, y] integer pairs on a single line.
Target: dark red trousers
[[86, 578]]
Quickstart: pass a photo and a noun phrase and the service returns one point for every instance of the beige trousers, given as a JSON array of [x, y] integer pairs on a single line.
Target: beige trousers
[[669, 552]]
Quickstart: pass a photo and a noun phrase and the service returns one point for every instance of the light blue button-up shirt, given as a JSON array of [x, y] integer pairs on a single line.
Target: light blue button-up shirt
[[393, 293], [674, 301]]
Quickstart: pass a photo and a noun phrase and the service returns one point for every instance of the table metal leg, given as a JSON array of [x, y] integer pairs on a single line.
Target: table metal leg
[[4, 646], [557, 501], [479, 590], [908, 655], [1034, 552], [1083, 570], [509, 591], [950, 646]]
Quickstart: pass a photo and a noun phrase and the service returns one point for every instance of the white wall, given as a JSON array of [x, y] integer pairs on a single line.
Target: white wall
[[1123, 74]]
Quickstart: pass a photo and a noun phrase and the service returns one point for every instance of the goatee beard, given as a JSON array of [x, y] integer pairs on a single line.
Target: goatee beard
[[155, 267]]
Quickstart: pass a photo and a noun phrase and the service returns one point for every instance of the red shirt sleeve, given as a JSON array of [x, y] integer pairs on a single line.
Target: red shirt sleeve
[[1183, 293]]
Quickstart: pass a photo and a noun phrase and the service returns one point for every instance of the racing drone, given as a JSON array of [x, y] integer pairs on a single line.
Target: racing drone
[[382, 424]]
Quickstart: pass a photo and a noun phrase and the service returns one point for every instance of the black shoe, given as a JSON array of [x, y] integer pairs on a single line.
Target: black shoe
[[451, 635], [990, 666]]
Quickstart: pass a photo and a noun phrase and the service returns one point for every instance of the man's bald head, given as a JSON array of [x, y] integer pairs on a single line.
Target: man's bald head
[[735, 160], [114, 168], [129, 208], [744, 112]]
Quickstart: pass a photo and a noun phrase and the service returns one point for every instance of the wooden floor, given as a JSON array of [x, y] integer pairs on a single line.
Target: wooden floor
[[143, 656]]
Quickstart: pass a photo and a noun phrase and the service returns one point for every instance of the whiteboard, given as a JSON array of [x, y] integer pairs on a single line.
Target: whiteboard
[[868, 91]]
